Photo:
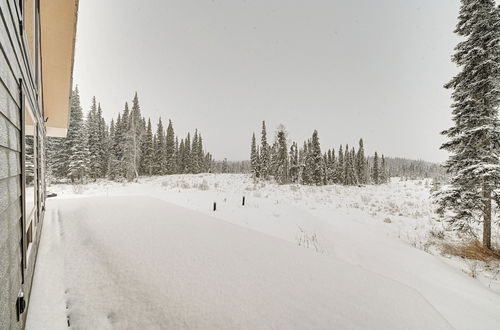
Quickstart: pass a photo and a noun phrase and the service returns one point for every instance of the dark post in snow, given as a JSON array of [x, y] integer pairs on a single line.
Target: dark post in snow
[[215, 206], [243, 201]]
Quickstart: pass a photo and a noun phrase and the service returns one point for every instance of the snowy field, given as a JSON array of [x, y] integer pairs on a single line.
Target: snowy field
[[154, 255]]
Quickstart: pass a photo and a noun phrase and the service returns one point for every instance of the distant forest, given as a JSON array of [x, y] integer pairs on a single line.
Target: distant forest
[[123, 150], [129, 147], [307, 164]]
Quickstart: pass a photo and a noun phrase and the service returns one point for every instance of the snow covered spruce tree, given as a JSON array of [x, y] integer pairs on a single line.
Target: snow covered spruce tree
[[170, 149], [294, 167], [265, 156], [97, 141], [76, 142], [317, 160], [147, 151], [474, 139], [375, 170], [281, 174], [340, 171], [254, 158], [361, 164], [159, 162]]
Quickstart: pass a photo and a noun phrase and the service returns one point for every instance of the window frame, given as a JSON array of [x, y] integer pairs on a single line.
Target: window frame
[[31, 216]]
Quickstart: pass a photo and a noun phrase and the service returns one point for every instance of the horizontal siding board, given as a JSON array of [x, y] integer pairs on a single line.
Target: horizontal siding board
[[10, 163], [18, 57], [5, 306], [9, 108], [10, 190], [10, 136], [12, 214], [8, 79], [5, 41]]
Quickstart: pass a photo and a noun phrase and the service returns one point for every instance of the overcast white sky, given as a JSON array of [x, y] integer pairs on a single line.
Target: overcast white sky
[[351, 69]]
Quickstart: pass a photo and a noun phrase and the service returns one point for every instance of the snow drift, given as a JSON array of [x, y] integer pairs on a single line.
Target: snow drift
[[140, 262]]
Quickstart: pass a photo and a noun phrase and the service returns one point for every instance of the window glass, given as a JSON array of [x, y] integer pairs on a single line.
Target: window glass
[[31, 166]]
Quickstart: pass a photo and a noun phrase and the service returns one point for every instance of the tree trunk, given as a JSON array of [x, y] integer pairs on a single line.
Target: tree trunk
[[487, 217]]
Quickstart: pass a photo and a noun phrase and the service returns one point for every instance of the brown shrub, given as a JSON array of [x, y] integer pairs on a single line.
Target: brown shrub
[[471, 250]]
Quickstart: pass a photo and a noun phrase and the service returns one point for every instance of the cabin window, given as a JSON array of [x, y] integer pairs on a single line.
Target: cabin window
[[31, 173]]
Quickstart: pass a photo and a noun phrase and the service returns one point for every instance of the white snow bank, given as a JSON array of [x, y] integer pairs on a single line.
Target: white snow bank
[[138, 262]]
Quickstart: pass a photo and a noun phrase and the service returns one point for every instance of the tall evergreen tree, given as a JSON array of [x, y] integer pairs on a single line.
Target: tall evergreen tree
[[383, 171], [265, 157], [160, 160], [317, 160], [201, 154], [254, 157], [170, 149], [186, 162], [361, 164], [294, 163], [76, 141], [147, 151], [92, 127], [375, 170], [281, 175], [103, 147], [340, 167], [474, 139], [194, 165]]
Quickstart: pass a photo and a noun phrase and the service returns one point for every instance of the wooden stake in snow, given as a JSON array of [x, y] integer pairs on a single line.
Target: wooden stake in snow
[[243, 202], [215, 206]]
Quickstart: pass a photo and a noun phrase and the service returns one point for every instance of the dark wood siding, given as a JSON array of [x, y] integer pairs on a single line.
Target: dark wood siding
[[15, 68]]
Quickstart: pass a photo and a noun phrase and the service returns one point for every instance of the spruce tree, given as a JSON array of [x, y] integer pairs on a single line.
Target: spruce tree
[[186, 163], [200, 154], [294, 164], [103, 147], [147, 151], [194, 165], [375, 170], [129, 153], [76, 141], [281, 175], [112, 172], [254, 158], [170, 149], [134, 135], [474, 139], [176, 155], [159, 150], [317, 160], [361, 164], [340, 167], [225, 168], [383, 171], [349, 169], [92, 127], [265, 157], [180, 158]]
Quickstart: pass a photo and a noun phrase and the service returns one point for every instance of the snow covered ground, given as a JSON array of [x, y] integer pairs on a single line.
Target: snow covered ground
[[154, 254]]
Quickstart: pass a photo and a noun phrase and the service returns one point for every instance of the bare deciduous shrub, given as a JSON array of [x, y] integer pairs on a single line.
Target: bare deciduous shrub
[[204, 185], [437, 233], [387, 220], [79, 189], [473, 250], [365, 199], [473, 268]]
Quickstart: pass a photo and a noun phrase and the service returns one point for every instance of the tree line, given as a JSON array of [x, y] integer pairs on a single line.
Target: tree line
[[124, 149], [308, 165]]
